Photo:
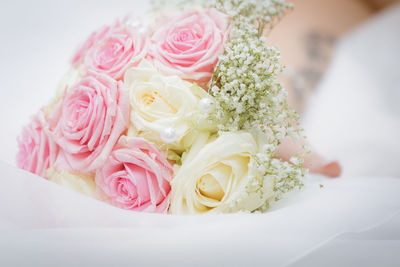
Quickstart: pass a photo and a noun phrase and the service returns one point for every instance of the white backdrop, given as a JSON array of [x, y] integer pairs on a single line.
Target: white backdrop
[[38, 40], [355, 118]]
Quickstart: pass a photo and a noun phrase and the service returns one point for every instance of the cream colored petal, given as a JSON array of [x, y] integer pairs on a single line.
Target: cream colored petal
[[209, 171], [220, 175], [159, 101], [80, 183], [210, 187]]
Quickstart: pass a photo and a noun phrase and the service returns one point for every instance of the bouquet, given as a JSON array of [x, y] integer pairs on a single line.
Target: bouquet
[[178, 113]]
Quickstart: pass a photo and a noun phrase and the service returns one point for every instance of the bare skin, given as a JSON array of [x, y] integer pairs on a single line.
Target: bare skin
[[314, 161], [306, 37]]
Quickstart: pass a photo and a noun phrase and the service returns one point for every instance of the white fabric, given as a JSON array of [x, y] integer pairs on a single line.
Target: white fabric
[[355, 115], [52, 225], [350, 221]]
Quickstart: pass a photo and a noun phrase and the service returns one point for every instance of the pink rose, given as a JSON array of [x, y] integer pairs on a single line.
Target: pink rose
[[36, 150], [123, 46], [84, 48], [189, 45], [135, 177], [88, 121]]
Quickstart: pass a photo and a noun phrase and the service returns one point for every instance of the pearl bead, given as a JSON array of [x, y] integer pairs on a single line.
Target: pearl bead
[[134, 23], [207, 105], [143, 30], [168, 135]]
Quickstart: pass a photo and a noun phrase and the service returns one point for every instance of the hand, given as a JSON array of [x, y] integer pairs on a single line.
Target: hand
[[314, 161]]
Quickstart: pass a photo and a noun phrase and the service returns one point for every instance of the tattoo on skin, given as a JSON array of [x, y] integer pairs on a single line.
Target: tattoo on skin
[[318, 48]]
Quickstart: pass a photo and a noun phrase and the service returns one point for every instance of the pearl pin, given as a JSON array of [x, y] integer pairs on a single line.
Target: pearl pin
[[168, 135], [134, 23], [143, 30], [207, 105]]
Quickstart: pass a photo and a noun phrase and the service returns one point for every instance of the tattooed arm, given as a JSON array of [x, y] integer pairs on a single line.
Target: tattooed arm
[[306, 37]]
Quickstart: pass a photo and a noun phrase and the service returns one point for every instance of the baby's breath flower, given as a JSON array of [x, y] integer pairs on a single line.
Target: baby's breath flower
[[248, 96]]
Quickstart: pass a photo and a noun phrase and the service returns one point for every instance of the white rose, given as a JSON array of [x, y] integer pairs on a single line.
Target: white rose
[[159, 102], [215, 177], [80, 183]]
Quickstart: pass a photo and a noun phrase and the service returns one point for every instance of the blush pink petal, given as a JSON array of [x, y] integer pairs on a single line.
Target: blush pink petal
[[135, 177], [121, 48], [189, 46], [37, 151], [92, 40], [87, 137]]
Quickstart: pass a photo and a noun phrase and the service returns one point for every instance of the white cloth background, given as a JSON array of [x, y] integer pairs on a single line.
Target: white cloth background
[[355, 115], [350, 221]]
